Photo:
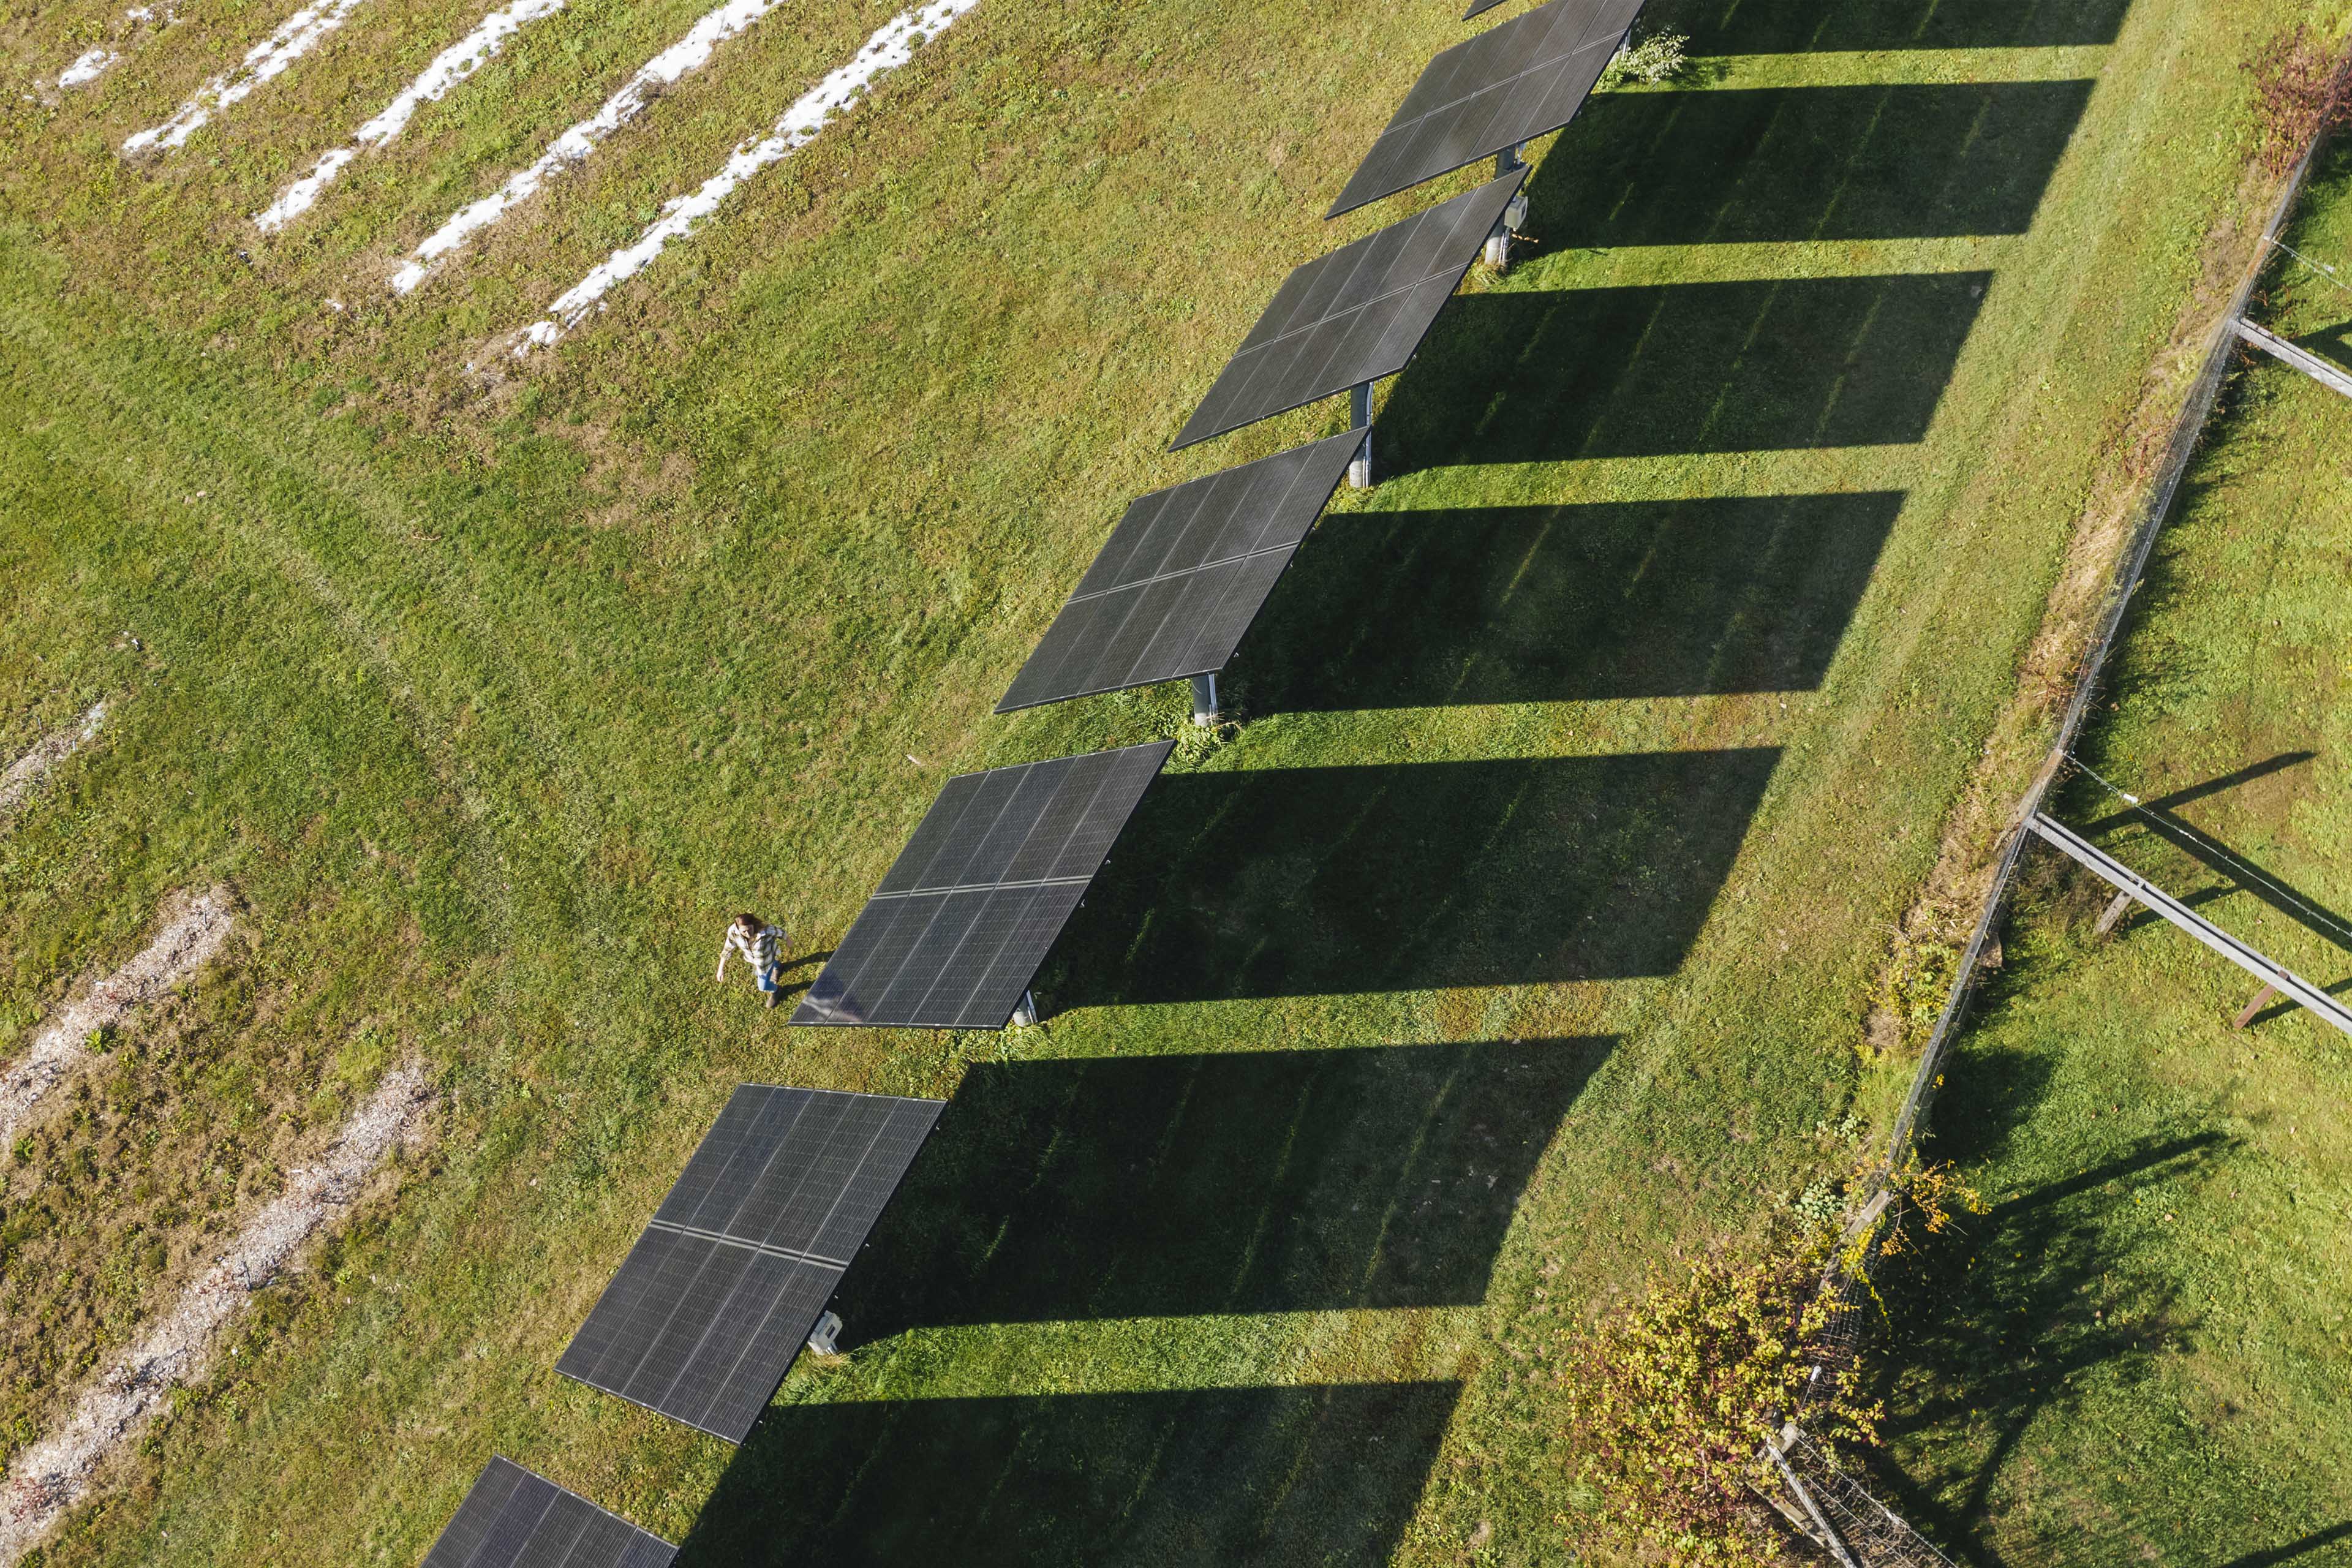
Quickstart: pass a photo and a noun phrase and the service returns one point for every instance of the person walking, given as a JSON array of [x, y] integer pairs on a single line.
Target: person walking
[[756, 940]]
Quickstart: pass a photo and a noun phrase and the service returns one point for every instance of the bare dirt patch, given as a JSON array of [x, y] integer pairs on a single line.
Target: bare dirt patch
[[49, 1478], [27, 772], [189, 938]]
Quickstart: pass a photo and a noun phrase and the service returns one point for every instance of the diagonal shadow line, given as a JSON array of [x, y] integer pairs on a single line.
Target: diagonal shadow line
[[2293, 1548], [2147, 1160], [2211, 787], [2250, 876], [2281, 1009]]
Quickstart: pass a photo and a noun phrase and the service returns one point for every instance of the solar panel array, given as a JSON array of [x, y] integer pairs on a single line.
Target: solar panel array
[[1511, 84], [1353, 316], [728, 1279], [721, 1289], [1184, 575], [513, 1518], [958, 929]]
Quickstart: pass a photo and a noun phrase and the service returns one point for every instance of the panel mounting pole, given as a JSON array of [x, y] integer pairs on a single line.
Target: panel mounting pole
[[1204, 699], [1360, 413], [1024, 1012], [1498, 242]]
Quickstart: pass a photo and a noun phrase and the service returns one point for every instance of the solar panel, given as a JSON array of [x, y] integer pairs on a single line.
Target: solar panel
[[513, 1518], [1353, 316], [1520, 81], [1184, 574], [969, 911], [733, 1271]]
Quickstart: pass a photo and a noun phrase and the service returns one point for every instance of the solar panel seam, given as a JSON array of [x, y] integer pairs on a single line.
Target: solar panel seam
[[1172, 577], [1283, 365], [841, 1194], [1101, 781], [770, 1249]]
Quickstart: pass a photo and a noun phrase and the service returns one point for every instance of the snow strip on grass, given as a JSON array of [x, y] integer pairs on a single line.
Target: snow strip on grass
[[567, 151], [450, 67], [88, 68], [186, 940], [295, 36], [55, 1474], [892, 47], [48, 753]]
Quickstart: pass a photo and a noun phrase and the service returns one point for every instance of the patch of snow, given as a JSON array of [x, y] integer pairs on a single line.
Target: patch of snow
[[88, 68], [450, 67], [273, 56], [567, 151], [891, 47], [185, 943], [56, 1473], [34, 765]]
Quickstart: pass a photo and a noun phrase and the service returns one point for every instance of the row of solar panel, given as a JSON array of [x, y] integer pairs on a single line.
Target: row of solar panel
[[730, 1276], [968, 914]]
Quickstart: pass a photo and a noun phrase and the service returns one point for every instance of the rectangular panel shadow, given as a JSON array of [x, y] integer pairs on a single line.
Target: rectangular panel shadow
[[1788, 26], [1613, 599], [1326, 1476], [1226, 1181], [1662, 370], [1418, 875], [1799, 164]]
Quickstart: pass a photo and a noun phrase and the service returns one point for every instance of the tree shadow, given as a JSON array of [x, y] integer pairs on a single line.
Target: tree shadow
[[1656, 370], [1990, 1335], [1678, 598], [1319, 881], [2279, 1556], [1230, 1182], [1807, 164], [1789, 26], [1313, 1475]]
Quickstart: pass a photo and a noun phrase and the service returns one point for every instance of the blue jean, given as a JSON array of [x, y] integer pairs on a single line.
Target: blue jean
[[770, 978]]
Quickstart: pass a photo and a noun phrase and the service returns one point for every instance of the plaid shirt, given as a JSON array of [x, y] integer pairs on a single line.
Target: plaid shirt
[[759, 950]]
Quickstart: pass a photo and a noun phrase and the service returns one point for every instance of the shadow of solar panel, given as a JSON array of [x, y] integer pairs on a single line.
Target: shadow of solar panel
[[513, 1518], [1517, 81], [969, 911], [719, 1293], [1184, 574], [1353, 316]]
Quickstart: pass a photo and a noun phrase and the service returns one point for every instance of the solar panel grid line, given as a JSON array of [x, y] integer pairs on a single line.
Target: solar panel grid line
[[724, 1284], [1524, 78], [938, 948], [512, 1518], [1353, 316], [783, 1252], [1181, 577]]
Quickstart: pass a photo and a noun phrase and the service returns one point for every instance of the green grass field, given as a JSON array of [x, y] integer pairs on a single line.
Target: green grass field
[[2143, 1353], [1522, 935]]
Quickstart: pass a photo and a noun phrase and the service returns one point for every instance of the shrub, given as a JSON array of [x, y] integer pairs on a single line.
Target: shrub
[[1654, 59], [1668, 1403], [2299, 92]]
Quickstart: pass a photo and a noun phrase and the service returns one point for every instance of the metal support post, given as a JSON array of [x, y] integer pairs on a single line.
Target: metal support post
[[2116, 908], [1829, 1536], [1509, 162], [1360, 408], [1499, 244], [1204, 699], [826, 1338], [1024, 1014]]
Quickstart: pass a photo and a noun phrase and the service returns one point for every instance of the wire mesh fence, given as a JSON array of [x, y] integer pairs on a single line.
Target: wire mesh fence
[[1872, 1534]]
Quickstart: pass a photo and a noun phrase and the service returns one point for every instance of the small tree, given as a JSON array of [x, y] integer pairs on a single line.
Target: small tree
[[1669, 1404], [1656, 58]]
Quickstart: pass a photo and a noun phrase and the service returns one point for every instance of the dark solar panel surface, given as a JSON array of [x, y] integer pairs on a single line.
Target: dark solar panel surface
[[1184, 574], [1503, 87], [1353, 316], [513, 1518], [969, 911], [722, 1291]]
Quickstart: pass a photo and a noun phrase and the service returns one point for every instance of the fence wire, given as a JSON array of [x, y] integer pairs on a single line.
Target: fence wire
[[1875, 1535]]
